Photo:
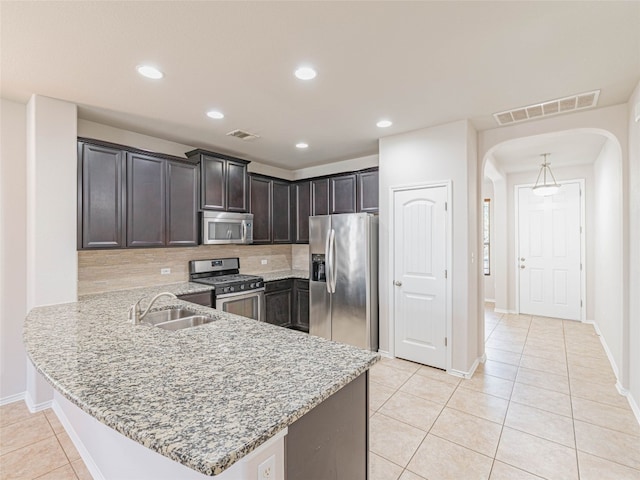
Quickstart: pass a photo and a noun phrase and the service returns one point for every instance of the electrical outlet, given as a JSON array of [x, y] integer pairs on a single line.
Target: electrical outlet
[[264, 261], [165, 271], [267, 469]]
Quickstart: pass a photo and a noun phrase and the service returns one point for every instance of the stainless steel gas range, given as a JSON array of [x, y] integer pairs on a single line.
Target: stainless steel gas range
[[234, 292]]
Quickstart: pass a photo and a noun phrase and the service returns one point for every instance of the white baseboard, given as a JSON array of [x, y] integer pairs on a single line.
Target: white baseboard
[[36, 407], [503, 310], [621, 390], [612, 361], [472, 370], [84, 453], [385, 354], [490, 300], [12, 398]]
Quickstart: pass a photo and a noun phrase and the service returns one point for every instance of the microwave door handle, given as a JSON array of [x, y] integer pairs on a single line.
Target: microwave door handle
[[244, 231]]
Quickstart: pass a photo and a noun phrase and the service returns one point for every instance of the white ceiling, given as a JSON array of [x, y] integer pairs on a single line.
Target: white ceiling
[[567, 149], [416, 63]]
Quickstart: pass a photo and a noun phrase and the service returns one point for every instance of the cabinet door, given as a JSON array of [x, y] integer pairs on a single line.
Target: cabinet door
[[301, 305], [102, 199], [343, 194], [368, 191], [236, 186], [146, 201], [182, 204], [213, 173], [303, 210], [281, 212], [320, 197], [260, 206], [278, 307]]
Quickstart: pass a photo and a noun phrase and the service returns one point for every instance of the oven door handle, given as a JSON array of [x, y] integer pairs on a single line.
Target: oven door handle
[[241, 293]]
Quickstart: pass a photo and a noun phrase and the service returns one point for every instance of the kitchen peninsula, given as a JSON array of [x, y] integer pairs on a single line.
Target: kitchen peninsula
[[209, 398]]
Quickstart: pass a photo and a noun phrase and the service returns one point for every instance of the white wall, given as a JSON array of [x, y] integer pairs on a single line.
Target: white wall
[[631, 363], [52, 263], [607, 267], [350, 165], [98, 131], [426, 156], [489, 280], [561, 173], [13, 246]]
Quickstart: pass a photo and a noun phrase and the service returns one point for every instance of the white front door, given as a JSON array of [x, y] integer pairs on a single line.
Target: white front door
[[549, 252], [420, 285]]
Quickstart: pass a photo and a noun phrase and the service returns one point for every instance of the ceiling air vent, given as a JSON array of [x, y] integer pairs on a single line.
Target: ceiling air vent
[[242, 135], [545, 109]]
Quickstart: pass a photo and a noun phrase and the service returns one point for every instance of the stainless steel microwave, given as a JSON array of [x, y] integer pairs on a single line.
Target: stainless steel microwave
[[227, 227]]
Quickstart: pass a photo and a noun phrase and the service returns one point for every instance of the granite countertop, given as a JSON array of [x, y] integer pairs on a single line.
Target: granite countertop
[[284, 274], [205, 396]]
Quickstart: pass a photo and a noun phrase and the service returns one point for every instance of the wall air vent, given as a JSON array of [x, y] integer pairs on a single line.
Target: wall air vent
[[242, 135], [545, 109]]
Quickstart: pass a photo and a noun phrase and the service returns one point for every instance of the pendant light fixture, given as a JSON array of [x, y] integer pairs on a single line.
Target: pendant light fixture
[[545, 188]]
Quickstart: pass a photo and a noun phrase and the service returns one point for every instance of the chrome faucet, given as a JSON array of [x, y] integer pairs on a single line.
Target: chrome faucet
[[134, 311]]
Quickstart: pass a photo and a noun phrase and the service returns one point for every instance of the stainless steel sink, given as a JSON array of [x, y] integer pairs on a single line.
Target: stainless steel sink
[[162, 316], [187, 322]]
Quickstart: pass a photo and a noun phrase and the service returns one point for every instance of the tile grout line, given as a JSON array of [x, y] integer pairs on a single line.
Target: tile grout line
[[493, 463], [573, 419]]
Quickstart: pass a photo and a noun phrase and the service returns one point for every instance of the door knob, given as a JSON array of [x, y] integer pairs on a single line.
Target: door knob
[[522, 259], [397, 283], [521, 266]]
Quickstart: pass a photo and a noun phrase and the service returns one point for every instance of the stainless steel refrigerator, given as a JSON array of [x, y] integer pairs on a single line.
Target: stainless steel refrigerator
[[343, 278]]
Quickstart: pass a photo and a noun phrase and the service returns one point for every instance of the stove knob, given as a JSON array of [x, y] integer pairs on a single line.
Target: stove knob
[[241, 287], [253, 285]]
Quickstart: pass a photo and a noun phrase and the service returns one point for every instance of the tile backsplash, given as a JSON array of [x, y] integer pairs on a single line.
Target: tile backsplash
[[106, 270]]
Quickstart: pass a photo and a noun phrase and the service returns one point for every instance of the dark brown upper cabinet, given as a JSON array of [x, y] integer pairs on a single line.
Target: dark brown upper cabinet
[[223, 181], [281, 212], [101, 195], [302, 203], [320, 196], [146, 200], [182, 205], [343, 193], [260, 206], [131, 198], [270, 203], [368, 191]]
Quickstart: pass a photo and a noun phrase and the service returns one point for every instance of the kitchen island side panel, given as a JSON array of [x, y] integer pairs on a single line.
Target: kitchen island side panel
[[332, 440]]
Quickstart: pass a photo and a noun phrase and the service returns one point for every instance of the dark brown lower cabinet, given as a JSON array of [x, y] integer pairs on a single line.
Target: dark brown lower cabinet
[[300, 319], [278, 298], [287, 303]]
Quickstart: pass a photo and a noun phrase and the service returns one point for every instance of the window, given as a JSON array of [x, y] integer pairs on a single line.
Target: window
[[486, 237]]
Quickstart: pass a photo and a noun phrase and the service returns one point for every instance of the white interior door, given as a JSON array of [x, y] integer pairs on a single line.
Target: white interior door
[[549, 252], [420, 285]]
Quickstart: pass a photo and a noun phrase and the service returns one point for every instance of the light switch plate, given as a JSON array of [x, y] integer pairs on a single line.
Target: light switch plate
[[264, 261], [165, 271]]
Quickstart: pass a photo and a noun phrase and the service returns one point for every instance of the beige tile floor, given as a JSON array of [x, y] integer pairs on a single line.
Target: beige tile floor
[[544, 405], [36, 446]]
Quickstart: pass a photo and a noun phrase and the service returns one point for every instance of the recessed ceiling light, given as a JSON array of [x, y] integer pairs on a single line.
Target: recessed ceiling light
[[302, 145], [305, 73], [149, 72], [384, 123], [215, 114]]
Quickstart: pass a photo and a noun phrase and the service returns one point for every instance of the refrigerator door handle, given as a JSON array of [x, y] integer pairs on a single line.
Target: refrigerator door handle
[[327, 256], [332, 256]]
